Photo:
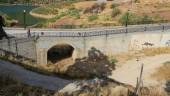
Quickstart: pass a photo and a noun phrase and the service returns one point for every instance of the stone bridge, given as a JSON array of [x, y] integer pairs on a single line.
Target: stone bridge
[[55, 44]]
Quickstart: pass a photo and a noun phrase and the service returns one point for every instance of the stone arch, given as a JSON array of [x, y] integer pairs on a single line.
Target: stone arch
[[60, 52]]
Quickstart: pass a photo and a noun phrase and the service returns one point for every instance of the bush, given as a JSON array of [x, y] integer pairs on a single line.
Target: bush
[[74, 13], [167, 62], [146, 20], [45, 10], [96, 8], [62, 14], [131, 19], [113, 6], [93, 17], [115, 12], [6, 18], [113, 61], [125, 18], [168, 87]]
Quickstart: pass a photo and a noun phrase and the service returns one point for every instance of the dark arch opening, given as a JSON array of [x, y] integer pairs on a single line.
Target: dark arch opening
[[59, 52]]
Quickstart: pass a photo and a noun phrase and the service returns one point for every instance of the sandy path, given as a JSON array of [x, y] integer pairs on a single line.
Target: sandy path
[[129, 71], [41, 15]]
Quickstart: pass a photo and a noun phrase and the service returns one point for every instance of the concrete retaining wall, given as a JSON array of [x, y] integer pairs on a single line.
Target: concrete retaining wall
[[22, 47]]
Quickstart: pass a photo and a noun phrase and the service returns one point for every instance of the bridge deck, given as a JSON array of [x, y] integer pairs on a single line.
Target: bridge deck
[[20, 32]]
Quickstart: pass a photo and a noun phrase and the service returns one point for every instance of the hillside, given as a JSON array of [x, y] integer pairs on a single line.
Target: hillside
[[92, 14]]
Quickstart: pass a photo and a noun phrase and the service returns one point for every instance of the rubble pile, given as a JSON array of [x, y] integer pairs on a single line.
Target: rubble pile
[[97, 87]]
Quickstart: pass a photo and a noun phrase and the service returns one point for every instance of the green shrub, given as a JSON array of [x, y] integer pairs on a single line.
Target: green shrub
[[113, 61], [45, 10], [125, 18], [146, 20], [131, 19], [115, 12], [167, 62], [62, 14], [73, 12], [93, 17], [113, 6], [6, 18]]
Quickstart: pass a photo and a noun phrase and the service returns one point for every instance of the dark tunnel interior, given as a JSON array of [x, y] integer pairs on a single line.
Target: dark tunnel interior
[[59, 52]]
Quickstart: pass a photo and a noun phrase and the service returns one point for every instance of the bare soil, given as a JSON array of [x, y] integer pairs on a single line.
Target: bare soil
[[130, 70]]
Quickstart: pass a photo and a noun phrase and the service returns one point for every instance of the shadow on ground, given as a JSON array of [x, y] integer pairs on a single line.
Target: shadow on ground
[[167, 89], [95, 65]]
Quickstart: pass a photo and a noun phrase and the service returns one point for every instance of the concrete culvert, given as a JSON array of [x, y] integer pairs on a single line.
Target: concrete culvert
[[59, 52]]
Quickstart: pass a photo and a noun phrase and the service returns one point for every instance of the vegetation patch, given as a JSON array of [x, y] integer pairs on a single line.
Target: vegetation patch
[[115, 12], [155, 51], [132, 19], [88, 11], [95, 65], [73, 12], [12, 87], [96, 8], [168, 87], [93, 17], [163, 72], [6, 18], [45, 10]]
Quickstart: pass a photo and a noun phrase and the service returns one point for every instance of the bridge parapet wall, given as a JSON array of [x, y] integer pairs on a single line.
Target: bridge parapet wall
[[24, 47], [88, 32]]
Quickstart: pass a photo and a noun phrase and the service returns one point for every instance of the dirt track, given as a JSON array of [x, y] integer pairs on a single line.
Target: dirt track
[[129, 71]]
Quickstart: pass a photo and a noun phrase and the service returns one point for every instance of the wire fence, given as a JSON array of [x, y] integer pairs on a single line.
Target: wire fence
[[94, 31]]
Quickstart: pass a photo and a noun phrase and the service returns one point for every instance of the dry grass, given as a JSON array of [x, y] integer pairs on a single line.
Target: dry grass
[[12, 87], [153, 91], [155, 51], [123, 57], [163, 73], [157, 9]]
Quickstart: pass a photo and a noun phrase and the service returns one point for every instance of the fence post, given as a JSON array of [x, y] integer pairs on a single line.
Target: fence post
[[84, 42], [145, 29], [126, 29], [9, 46], [139, 82], [16, 47], [106, 33]]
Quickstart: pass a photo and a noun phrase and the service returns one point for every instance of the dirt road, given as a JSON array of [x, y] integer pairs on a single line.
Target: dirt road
[[129, 71]]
